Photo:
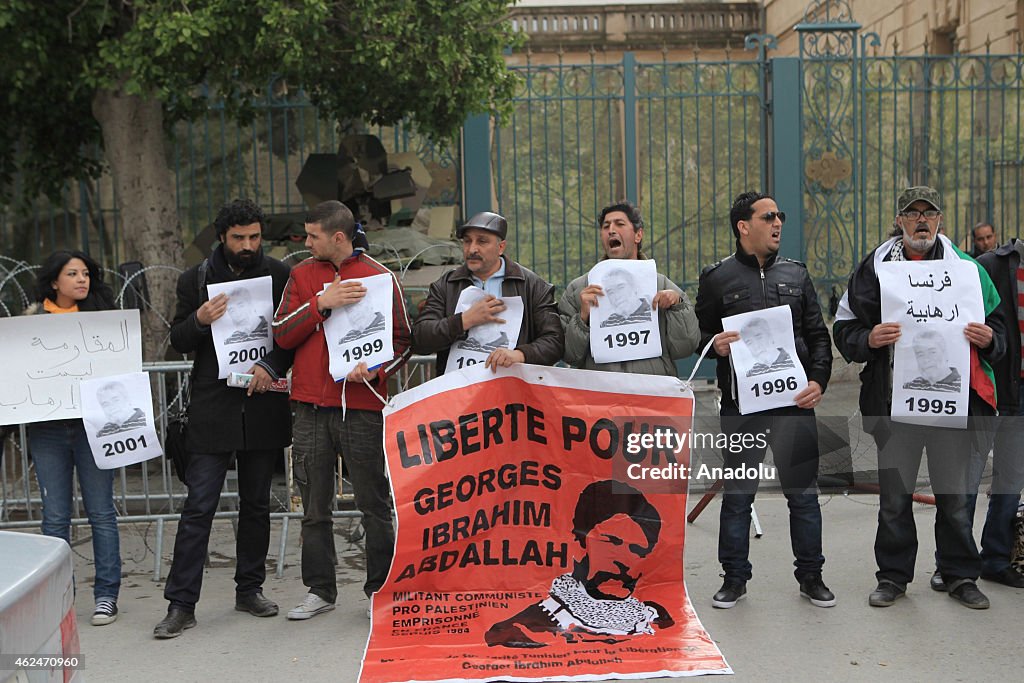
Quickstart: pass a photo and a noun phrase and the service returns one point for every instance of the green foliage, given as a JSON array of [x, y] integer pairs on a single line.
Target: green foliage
[[431, 62]]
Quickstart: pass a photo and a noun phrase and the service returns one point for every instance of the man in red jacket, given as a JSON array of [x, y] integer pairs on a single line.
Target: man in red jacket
[[321, 427]]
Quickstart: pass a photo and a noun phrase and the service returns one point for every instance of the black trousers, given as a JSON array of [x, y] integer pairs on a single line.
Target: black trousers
[[206, 473]]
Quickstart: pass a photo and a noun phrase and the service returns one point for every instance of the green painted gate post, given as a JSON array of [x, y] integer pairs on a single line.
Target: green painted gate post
[[629, 126], [476, 165], [787, 142]]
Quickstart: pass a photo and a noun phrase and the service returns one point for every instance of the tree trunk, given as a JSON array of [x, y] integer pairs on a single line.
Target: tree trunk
[[133, 140]]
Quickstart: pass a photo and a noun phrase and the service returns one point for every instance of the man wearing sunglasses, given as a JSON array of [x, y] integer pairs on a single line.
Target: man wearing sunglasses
[[754, 278], [863, 337]]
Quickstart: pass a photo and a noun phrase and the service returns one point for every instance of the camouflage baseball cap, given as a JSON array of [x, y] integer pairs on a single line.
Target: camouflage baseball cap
[[918, 193]]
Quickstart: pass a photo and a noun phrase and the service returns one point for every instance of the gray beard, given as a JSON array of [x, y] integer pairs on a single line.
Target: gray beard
[[921, 246]]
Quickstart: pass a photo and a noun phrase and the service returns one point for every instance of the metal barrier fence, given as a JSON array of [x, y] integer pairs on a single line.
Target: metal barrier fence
[[149, 491]]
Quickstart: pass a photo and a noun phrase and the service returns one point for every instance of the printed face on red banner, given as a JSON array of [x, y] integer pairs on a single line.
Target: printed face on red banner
[[531, 543]]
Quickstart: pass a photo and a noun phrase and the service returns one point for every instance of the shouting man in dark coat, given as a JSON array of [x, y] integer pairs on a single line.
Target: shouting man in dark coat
[[252, 425]]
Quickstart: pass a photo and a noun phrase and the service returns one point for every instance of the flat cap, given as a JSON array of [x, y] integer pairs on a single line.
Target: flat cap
[[485, 220]]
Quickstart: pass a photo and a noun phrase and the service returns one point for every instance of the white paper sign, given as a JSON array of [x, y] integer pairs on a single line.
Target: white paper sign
[[483, 339], [931, 375], [118, 415], [242, 335], [930, 291], [932, 301], [767, 369], [362, 332], [624, 326], [46, 356]]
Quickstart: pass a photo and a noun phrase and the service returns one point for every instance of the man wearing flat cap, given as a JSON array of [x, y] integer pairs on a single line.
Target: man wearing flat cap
[[438, 326], [863, 337]]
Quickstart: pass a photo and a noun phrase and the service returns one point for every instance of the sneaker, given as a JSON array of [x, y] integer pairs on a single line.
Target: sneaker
[[966, 592], [255, 604], [310, 607], [105, 612], [1008, 577], [815, 590], [886, 594], [729, 594], [937, 583], [176, 621]]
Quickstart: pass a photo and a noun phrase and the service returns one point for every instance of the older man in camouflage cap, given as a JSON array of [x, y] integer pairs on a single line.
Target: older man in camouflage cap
[[863, 337]]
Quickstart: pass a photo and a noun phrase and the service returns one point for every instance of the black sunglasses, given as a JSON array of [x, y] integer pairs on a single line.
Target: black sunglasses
[[772, 215]]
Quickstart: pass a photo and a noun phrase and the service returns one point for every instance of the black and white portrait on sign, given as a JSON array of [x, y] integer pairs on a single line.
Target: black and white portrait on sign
[[361, 320], [768, 356], [117, 412], [249, 324], [241, 337], [627, 304], [623, 323], [486, 340], [118, 409], [361, 332], [934, 373], [481, 340], [768, 370]]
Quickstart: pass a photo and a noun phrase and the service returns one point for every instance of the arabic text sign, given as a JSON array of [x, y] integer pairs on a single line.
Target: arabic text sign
[[242, 335], [118, 415], [481, 340], [932, 301], [508, 507], [624, 325], [925, 291], [46, 356]]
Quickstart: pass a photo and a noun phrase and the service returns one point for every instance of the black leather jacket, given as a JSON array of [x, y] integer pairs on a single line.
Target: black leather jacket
[[1002, 265], [737, 284]]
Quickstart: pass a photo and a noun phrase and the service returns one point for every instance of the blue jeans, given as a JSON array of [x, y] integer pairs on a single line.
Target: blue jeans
[[58, 448], [792, 434], [997, 537], [320, 435]]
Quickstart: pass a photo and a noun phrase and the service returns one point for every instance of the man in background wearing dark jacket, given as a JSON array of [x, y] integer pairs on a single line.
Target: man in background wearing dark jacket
[[1004, 265], [251, 426], [755, 278], [438, 326]]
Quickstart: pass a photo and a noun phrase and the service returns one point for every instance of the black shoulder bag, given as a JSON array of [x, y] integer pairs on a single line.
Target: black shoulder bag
[[177, 422]]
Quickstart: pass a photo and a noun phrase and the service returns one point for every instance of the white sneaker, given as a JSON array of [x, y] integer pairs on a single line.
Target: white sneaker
[[310, 607]]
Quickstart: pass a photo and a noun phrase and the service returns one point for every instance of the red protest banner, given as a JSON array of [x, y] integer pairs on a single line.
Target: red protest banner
[[530, 543]]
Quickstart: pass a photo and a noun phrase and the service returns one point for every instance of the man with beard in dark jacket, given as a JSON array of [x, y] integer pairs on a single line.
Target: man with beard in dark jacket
[[438, 326], [752, 279], [225, 423], [863, 337]]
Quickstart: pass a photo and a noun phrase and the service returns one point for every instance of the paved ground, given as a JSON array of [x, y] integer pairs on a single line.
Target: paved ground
[[773, 635]]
